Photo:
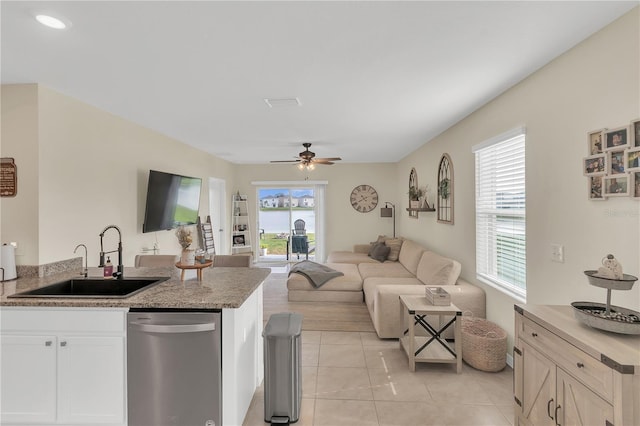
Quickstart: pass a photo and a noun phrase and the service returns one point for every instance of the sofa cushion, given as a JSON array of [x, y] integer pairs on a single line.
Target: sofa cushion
[[385, 270], [395, 244], [370, 284], [349, 257], [379, 252], [434, 269], [410, 254], [350, 281]]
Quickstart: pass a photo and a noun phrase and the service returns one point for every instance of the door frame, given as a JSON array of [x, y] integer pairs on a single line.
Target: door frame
[[319, 209], [218, 213]]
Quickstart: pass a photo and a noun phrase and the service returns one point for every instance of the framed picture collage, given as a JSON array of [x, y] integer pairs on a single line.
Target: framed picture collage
[[613, 164]]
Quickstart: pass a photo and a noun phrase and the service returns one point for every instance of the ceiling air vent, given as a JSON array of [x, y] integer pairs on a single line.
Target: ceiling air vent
[[282, 102]]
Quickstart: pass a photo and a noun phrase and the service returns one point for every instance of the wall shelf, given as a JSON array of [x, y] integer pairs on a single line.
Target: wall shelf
[[409, 209]]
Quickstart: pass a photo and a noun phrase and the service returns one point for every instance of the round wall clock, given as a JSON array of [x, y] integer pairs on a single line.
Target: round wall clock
[[364, 198]]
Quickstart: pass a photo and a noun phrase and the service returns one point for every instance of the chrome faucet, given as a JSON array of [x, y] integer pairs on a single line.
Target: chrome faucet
[[120, 272], [85, 270]]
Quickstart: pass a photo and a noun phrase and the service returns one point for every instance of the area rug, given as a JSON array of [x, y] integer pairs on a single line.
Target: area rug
[[320, 316]]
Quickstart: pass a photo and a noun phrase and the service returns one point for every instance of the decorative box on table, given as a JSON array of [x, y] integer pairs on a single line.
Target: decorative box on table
[[438, 296]]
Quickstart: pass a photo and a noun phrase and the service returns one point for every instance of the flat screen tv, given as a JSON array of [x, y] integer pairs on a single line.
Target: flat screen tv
[[172, 200]]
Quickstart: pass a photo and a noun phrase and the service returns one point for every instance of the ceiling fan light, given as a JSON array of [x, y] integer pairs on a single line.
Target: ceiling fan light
[[300, 166], [311, 166]]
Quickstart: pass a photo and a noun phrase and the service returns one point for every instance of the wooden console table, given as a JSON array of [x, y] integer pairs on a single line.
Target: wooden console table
[[566, 372], [198, 266]]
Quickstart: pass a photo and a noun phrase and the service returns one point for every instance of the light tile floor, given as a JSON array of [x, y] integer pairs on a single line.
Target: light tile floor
[[355, 378]]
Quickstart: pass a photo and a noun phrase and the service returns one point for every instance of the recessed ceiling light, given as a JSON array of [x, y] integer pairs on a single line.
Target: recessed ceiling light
[[282, 102], [52, 22]]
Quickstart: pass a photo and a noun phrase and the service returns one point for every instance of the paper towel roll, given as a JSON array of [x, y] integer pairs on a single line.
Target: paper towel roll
[[8, 262]]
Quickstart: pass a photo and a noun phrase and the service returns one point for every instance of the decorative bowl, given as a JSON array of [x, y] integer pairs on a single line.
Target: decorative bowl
[[626, 283], [617, 320]]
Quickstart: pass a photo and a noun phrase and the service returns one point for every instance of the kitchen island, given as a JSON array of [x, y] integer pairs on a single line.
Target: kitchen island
[[34, 328]]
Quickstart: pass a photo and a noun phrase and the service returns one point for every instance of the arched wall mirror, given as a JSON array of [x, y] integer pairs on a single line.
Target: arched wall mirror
[[445, 190]]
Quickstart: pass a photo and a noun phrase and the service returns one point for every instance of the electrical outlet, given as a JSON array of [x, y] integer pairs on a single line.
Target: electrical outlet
[[557, 253]]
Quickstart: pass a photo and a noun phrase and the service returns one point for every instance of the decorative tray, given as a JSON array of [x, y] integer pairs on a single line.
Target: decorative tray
[[626, 283], [607, 317]]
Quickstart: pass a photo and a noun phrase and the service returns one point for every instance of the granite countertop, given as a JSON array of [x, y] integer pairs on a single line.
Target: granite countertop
[[220, 288]]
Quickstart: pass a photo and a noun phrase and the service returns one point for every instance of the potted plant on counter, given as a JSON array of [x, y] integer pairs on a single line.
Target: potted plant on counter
[[188, 256]]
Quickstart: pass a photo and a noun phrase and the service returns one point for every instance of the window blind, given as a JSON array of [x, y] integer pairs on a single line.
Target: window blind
[[501, 213]]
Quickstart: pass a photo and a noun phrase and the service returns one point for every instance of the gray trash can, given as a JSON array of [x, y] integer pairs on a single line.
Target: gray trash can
[[282, 368]]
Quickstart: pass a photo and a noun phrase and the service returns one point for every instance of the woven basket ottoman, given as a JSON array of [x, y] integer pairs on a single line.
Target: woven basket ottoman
[[347, 288], [484, 344]]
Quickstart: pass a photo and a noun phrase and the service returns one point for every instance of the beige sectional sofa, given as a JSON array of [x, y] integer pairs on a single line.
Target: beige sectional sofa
[[382, 282]]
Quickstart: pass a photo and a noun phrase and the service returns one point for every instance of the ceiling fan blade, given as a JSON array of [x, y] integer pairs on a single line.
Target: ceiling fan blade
[[322, 162], [284, 161], [328, 159]]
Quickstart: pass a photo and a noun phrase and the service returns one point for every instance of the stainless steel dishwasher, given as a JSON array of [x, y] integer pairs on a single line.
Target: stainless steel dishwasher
[[174, 368]]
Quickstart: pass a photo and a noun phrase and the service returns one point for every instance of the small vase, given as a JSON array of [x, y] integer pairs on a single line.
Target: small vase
[[188, 257], [414, 204]]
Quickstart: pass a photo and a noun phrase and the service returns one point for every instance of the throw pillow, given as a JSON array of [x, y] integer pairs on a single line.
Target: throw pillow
[[381, 239], [380, 252], [395, 244]]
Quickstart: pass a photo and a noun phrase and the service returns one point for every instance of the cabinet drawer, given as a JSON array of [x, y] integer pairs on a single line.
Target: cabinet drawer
[[583, 367], [63, 320]]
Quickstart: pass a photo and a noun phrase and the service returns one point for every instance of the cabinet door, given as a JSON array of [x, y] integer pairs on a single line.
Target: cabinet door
[[91, 381], [538, 387], [28, 379], [579, 406]]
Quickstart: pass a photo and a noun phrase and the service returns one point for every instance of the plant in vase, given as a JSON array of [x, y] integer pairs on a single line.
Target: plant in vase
[[414, 196], [188, 256]]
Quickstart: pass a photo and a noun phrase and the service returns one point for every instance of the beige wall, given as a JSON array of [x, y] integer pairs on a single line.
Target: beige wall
[[93, 170], [20, 141], [594, 85]]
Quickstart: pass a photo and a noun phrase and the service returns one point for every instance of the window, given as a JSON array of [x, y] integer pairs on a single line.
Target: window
[[500, 213]]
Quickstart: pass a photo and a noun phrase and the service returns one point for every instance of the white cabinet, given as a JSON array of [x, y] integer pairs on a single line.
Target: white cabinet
[[242, 357], [28, 379], [240, 229], [91, 380], [63, 366], [566, 373]]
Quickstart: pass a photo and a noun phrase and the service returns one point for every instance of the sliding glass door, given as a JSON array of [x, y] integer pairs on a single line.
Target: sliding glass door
[[286, 223]]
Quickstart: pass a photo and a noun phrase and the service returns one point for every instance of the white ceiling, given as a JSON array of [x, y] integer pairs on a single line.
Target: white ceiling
[[375, 79]]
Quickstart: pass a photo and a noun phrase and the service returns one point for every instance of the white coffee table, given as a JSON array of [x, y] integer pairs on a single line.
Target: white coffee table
[[433, 347]]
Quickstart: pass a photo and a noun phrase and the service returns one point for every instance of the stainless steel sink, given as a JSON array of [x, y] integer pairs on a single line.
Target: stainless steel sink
[[94, 288]]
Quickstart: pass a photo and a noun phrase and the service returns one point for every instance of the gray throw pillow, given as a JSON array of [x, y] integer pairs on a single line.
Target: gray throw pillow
[[380, 252]]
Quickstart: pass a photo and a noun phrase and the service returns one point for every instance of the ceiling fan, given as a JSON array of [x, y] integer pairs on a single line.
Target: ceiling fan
[[307, 159]]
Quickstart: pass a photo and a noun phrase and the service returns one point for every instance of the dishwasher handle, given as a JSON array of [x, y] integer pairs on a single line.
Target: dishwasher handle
[[182, 328]]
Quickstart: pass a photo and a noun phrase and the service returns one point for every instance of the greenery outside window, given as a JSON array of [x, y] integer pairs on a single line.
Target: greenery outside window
[[501, 213]]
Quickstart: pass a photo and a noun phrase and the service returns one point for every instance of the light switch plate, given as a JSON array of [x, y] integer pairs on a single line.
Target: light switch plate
[[557, 253]]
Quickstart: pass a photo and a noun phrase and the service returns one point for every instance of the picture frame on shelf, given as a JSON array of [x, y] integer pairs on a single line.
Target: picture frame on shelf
[[594, 139], [616, 163], [595, 188], [635, 181], [238, 240], [615, 139], [635, 133], [595, 165], [616, 186], [632, 159]]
